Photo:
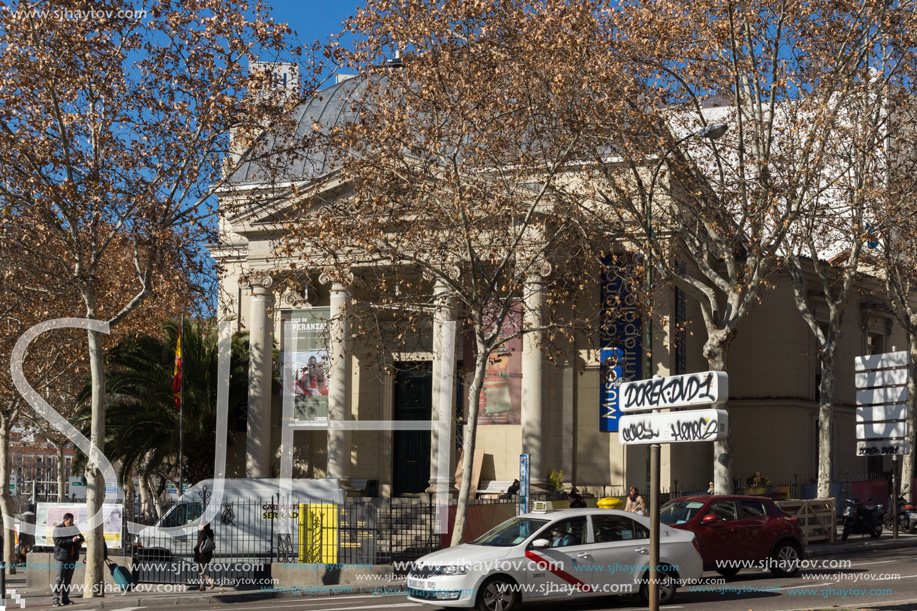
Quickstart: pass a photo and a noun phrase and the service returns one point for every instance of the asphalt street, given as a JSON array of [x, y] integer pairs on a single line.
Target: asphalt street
[[880, 579]]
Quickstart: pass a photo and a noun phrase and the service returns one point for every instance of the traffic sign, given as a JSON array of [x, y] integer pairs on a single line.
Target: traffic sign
[[881, 430], [881, 377], [871, 413], [889, 394], [883, 447], [674, 427], [693, 389], [888, 360]]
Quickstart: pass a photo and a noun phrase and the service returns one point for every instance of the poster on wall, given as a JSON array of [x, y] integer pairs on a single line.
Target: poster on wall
[[621, 336], [49, 515], [306, 370], [501, 397]]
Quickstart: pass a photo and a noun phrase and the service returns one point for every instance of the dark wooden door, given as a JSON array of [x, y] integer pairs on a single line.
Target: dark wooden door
[[413, 401]]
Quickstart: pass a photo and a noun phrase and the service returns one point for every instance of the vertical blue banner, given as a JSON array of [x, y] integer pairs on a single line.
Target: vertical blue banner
[[523, 483], [621, 338]]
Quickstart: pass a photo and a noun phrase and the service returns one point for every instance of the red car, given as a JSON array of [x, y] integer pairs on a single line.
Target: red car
[[735, 532]]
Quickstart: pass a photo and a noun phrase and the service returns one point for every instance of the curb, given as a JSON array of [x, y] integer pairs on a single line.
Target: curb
[[133, 600], [831, 549]]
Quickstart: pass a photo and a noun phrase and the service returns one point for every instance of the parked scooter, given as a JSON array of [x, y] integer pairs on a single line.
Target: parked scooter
[[862, 519], [904, 515]]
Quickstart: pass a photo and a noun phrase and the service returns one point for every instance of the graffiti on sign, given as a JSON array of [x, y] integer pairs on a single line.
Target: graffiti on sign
[[674, 427], [641, 431], [684, 390], [696, 429]]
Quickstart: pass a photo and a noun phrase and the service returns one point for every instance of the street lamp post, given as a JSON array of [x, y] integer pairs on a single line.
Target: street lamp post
[[710, 132]]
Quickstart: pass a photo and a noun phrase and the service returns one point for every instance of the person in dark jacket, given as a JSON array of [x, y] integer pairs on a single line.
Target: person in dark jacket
[[576, 500], [204, 556], [67, 542]]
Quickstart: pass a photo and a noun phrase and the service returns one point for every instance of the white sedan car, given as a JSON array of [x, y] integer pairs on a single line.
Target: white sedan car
[[554, 555]]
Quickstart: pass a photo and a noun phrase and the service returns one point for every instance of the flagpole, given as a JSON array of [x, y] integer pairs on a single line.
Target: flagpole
[[181, 414]]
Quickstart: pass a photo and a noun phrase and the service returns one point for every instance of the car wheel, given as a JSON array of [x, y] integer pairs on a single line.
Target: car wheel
[[728, 572], [846, 532], [497, 594], [665, 589], [786, 559]]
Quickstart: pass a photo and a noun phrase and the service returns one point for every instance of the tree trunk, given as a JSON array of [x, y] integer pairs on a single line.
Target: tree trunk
[[154, 497], [61, 473], [6, 501], [907, 468], [468, 443], [95, 483], [715, 351], [826, 425], [146, 504]]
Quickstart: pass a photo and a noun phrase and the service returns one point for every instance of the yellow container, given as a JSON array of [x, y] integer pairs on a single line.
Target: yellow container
[[610, 502]]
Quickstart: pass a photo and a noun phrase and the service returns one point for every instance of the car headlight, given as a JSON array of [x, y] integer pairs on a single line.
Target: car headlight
[[451, 569]]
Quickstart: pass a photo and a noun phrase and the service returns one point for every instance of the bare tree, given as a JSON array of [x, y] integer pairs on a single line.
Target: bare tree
[[725, 207], [459, 161], [114, 128]]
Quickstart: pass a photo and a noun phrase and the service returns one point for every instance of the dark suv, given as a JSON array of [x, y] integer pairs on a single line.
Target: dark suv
[[734, 532]]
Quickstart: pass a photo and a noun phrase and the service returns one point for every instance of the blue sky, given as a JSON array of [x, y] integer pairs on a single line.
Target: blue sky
[[313, 19]]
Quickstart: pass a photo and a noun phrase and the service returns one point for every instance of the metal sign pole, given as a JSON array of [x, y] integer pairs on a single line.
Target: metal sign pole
[[895, 496], [654, 527]]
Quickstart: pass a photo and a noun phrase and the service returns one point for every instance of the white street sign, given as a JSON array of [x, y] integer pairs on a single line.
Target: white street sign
[[881, 430], [882, 377], [881, 361], [883, 447], [705, 388], [882, 412], [674, 427], [894, 394]]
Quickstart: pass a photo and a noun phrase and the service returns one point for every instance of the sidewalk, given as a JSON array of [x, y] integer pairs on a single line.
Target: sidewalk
[[40, 598]]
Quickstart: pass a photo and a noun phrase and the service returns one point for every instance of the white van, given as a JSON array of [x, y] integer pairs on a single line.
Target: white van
[[245, 522]]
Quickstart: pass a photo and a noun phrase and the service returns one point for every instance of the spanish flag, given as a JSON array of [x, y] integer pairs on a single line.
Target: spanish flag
[[176, 374]]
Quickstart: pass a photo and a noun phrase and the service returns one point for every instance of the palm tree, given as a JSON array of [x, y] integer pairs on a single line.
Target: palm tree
[[142, 421]]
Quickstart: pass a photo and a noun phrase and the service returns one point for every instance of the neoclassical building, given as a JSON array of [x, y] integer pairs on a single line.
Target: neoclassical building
[[551, 411]]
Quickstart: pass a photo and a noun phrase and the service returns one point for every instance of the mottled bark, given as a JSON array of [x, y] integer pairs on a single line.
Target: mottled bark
[[95, 483], [826, 425], [6, 501], [468, 443]]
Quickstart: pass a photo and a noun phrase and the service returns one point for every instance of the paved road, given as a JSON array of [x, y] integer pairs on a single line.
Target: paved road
[[883, 580]]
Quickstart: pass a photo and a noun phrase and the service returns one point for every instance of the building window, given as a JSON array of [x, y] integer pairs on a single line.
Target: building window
[[875, 343]]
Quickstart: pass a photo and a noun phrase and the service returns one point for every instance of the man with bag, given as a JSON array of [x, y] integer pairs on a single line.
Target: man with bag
[[67, 543]]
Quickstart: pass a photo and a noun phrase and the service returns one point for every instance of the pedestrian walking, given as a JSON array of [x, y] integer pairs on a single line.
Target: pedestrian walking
[[67, 543], [203, 554]]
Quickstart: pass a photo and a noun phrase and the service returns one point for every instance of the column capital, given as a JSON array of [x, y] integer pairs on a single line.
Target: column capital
[[258, 279], [539, 271], [337, 277]]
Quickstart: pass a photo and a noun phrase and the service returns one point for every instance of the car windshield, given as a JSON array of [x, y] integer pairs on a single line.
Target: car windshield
[[512, 532], [679, 512]]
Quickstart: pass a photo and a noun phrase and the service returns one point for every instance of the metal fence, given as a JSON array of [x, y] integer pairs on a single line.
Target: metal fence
[[362, 531], [250, 537]]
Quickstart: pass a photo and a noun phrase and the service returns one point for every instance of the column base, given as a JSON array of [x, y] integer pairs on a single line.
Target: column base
[[448, 488]]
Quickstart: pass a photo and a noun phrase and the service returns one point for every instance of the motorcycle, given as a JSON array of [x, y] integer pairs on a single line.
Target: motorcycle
[[906, 513], [862, 519]]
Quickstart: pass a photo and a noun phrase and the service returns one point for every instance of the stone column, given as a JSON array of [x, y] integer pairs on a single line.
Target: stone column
[[533, 377], [444, 350], [339, 384], [261, 343]]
